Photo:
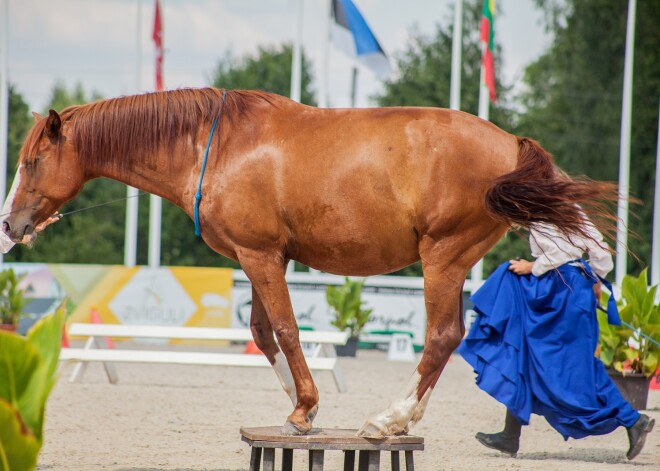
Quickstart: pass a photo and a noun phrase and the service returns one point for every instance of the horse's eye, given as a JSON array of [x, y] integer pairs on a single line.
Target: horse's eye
[[31, 164]]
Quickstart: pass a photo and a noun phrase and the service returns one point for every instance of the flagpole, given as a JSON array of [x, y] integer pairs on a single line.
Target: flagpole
[[456, 56], [4, 97], [131, 225], [323, 79], [655, 246], [624, 148], [296, 71], [477, 273], [155, 202], [354, 80], [296, 64]]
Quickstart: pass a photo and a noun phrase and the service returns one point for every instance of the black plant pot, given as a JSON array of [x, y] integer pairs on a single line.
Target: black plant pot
[[348, 350], [634, 387]]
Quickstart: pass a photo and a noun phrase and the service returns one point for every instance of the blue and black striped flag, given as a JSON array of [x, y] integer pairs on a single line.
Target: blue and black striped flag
[[351, 33]]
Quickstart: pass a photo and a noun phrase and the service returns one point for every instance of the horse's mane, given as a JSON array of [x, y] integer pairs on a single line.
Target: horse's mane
[[107, 132]]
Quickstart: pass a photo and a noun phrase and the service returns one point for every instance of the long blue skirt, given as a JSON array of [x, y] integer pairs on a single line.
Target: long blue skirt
[[532, 347]]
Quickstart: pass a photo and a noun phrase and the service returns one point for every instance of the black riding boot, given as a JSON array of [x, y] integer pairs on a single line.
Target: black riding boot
[[506, 441], [637, 434]]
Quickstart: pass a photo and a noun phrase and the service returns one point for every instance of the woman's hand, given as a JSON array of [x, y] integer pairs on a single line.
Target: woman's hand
[[521, 267], [54, 218], [29, 238], [598, 291]]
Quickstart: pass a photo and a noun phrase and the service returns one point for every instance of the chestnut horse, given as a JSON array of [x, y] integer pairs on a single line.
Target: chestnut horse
[[351, 192]]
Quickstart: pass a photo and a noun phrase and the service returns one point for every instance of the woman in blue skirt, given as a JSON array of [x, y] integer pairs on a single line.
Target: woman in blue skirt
[[532, 344]]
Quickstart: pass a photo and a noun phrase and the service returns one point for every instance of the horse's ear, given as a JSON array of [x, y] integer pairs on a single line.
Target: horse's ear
[[36, 116], [53, 124]]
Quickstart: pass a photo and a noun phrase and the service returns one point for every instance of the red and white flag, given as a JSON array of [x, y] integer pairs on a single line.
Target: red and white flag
[[157, 36]]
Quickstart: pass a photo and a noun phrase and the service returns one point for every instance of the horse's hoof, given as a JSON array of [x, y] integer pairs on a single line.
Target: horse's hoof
[[371, 430], [289, 428]]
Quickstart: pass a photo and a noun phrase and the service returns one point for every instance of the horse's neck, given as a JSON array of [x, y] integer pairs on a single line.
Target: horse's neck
[[163, 175]]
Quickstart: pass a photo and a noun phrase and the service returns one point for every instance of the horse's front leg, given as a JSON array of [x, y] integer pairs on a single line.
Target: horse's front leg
[[266, 272], [442, 291], [262, 332]]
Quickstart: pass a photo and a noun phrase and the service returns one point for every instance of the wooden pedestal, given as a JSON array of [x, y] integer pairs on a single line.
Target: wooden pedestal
[[264, 441]]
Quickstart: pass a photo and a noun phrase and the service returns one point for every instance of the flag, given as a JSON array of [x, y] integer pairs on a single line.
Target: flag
[[488, 40], [351, 33], [157, 36]]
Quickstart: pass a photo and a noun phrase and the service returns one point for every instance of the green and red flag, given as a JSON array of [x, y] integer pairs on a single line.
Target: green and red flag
[[488, 40]]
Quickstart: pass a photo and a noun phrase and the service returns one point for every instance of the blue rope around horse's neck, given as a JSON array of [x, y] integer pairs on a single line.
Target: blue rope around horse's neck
[[198, 196]]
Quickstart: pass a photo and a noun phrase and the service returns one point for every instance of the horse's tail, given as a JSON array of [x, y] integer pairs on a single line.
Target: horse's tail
[[537, 191]]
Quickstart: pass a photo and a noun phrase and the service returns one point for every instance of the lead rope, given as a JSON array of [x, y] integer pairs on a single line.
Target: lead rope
[[61, 215], [198, 196]]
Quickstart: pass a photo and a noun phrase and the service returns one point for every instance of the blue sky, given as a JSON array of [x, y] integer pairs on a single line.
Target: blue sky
[[95, 42]]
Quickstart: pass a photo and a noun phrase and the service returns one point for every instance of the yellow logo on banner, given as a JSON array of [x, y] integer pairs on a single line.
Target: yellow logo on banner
[[161, 296]]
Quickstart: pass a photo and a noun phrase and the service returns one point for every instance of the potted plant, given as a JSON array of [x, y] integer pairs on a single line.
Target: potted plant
[[12, 300], [630, 351], [346, 302], [28, 374]]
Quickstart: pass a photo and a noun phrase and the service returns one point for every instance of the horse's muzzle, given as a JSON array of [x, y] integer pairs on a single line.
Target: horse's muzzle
[[13, 235]]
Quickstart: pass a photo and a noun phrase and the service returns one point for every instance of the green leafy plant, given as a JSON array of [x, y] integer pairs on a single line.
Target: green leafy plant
[[625, 349], [12, 298], [27, 375], [346, 302]]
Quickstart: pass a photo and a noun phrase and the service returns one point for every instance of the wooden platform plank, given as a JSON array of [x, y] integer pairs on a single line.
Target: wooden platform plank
[[328, 439]]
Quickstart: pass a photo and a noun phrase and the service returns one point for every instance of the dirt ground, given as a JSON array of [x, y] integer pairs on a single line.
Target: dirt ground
[[170, 417]]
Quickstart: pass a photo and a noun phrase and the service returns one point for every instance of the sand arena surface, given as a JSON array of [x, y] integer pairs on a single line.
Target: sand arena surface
[[170, 417]]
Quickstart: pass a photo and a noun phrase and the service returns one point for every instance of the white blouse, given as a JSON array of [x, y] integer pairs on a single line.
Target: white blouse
[[552, 249]]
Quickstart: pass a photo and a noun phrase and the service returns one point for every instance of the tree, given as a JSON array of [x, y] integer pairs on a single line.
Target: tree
[[60, 97], [573, 101], [269, 70], [86, 237], [425, 71], [97, 236], [20, 122], [424, 80]]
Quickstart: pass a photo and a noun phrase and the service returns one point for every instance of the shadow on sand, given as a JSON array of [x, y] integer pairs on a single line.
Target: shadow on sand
[[588, 455]]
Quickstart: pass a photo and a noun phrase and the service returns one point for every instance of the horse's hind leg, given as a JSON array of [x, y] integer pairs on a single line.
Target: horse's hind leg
[[262, 332], [266, 272], [442, 291]]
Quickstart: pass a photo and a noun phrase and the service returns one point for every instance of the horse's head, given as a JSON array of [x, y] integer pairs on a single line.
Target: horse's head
[[48, 176]]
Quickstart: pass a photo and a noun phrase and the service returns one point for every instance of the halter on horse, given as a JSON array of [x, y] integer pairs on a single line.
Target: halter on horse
[[351, 192]]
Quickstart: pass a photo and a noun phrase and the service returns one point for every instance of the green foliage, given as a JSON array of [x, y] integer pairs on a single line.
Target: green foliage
[[98, 234], [573, 93], [20, 122], [61, 97], [269, 70], [27, 375], [346, 301], [12, 298], [424, 80], [638, 308], [425, 71]]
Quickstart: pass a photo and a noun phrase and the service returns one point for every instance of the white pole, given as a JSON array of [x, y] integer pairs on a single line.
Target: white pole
[[655, 246], [323, 79], [296, 65], [4, 96], [624, 149], [456, 52], [296, 71], [130, 234], [155, 211], [477, 273]]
